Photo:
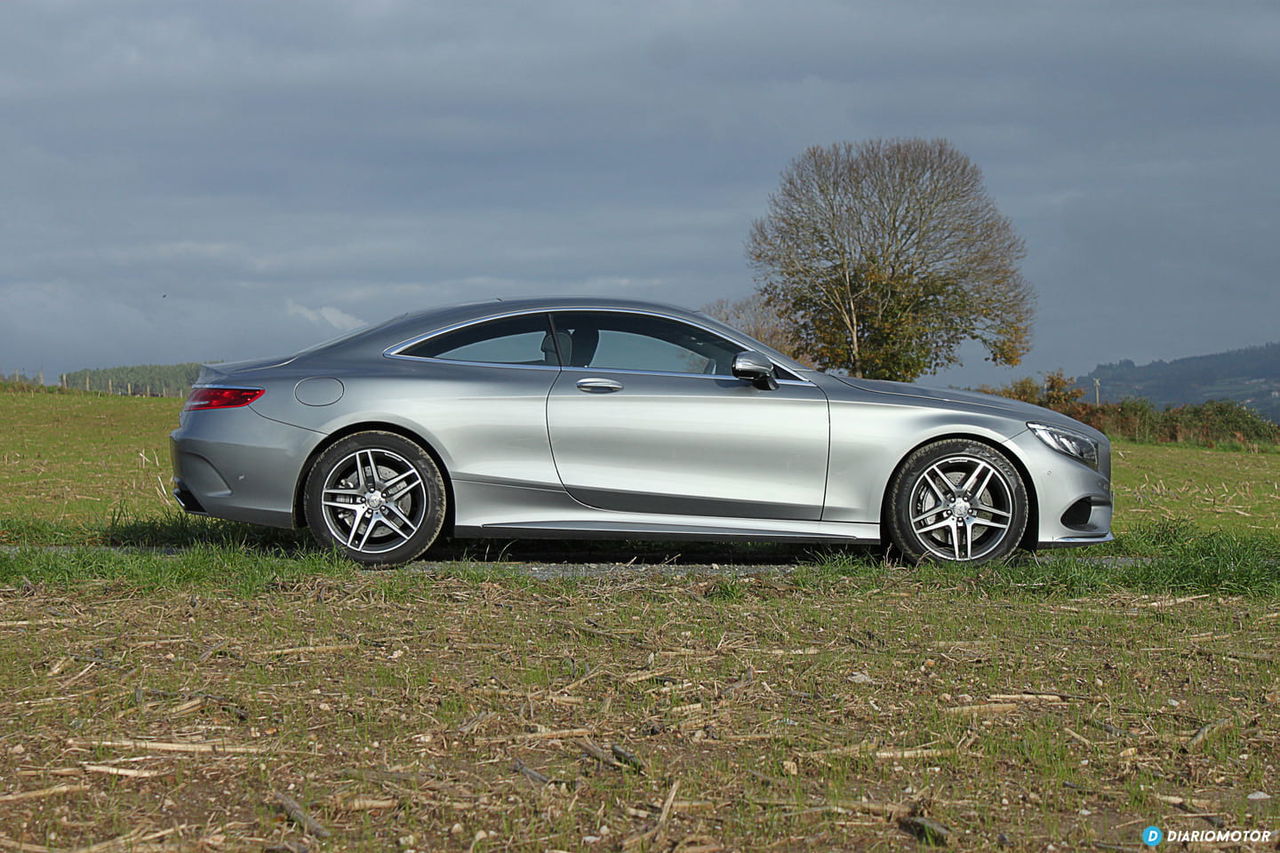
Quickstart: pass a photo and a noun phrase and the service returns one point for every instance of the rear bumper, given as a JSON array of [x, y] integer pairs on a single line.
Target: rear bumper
[[186, 498], [239, 465]]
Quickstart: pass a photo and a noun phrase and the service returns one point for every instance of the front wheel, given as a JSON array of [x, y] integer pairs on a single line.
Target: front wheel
[[957, 500], [377, 497]]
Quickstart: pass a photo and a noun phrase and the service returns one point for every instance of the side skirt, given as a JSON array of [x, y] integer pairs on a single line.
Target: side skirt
[[507, 511], [660, 533]]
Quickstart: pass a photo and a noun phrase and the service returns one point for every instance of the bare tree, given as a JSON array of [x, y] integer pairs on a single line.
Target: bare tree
[[884, 256], [754, 316]]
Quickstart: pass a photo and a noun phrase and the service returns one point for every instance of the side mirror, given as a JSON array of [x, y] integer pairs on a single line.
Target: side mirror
[[756, 369]]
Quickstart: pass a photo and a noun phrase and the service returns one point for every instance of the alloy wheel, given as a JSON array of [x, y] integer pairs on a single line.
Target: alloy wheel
[[374, 501], [961, 508]]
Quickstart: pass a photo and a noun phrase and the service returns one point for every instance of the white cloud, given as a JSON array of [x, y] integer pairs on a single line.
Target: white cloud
[[325, 315]]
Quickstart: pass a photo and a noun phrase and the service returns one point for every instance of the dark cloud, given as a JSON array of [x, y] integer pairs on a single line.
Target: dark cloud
[[188, 181]]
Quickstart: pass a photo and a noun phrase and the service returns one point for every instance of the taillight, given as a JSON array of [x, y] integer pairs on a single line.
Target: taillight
[[221, 398]]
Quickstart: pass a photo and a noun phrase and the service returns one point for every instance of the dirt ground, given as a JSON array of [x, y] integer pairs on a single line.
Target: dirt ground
[[632, 711]]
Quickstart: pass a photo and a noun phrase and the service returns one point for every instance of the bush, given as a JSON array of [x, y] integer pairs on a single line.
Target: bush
[[1217, 422]]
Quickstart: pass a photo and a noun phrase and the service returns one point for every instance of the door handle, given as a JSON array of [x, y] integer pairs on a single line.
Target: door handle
[[596, 385]]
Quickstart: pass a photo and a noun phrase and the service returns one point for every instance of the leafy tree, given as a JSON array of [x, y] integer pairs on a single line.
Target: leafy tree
[[1058, 391], [1061, 392], [884, 256]]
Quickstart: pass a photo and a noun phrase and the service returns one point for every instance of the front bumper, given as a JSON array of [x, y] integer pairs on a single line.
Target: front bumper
[[239, 465], [1073, 501]]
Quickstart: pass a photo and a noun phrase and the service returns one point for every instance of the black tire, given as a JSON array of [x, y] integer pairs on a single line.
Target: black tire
[[395, 491], [956, 500]]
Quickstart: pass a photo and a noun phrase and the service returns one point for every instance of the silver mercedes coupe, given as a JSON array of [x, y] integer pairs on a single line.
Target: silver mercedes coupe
[[593, 418]]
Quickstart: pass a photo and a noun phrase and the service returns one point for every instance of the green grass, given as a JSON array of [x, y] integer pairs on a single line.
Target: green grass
[[1157, 558], [222, 568], [1216, 489], [75, 458]]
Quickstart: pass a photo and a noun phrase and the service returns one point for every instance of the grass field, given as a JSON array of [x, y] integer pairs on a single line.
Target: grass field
[[75, 459], [73, 462], [154, 699], [1218, 489]]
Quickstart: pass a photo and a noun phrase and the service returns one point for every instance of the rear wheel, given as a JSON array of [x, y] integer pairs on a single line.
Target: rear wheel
[[377, 497], [957, 500]]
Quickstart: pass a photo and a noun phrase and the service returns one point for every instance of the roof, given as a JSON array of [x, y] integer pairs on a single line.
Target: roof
[[378, 338]]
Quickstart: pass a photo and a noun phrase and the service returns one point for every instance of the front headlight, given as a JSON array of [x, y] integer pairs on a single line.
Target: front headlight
[[1073, 444]]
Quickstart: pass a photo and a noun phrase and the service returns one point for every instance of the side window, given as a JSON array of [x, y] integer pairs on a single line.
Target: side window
[[622, 341], [525, 339]]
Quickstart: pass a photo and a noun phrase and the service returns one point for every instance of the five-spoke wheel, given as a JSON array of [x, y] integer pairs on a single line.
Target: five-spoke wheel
[[956, 500], [376, 496]]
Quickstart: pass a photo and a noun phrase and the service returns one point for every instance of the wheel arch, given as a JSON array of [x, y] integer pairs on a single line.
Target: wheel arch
[[299, 487], [1030, 536]]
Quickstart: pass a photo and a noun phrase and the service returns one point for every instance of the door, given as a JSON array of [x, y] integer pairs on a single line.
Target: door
[[647, 417]]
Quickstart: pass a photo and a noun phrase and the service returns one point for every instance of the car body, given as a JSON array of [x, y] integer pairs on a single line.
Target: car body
[[574, 418]]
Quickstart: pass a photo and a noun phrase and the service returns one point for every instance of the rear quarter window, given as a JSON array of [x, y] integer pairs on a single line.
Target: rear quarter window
[[509, 340]]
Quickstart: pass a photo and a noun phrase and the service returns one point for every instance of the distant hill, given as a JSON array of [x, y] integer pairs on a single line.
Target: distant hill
[[1250, 376]]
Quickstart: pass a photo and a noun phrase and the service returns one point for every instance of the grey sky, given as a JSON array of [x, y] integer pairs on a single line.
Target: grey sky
[[194, 181]]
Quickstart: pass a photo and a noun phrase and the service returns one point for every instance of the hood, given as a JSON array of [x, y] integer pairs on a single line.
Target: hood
[[976, 399]]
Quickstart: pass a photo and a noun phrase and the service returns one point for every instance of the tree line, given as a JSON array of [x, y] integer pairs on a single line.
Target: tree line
[[142, 380]]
